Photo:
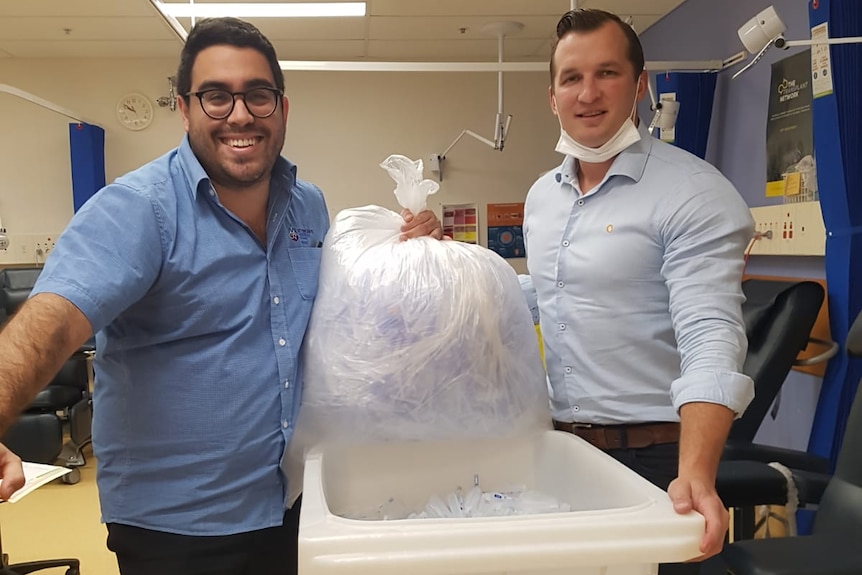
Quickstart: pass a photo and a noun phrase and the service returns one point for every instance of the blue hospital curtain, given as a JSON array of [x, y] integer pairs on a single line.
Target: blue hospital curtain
[[87, 149], [695, 94], [837, 121]]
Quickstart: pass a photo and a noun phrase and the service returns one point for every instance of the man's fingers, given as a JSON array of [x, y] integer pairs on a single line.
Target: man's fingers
[[716, 526], [680, 495], [11, 472]]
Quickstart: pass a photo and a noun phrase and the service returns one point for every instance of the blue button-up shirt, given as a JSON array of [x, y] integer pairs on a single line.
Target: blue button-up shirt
[[198, 380], [639, 286]]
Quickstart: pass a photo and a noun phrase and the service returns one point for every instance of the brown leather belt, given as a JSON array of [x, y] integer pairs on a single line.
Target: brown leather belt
[[623, 436]]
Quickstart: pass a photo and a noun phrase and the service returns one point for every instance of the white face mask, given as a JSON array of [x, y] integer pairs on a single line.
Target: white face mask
[[626, 136]]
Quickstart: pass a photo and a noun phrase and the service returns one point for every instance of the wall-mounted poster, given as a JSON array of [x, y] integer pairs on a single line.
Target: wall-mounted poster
[[505, 229], [790, 165], [460, 222]]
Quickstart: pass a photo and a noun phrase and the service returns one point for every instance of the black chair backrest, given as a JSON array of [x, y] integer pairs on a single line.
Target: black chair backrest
[[15, 287], [779, 316], [35, 437]]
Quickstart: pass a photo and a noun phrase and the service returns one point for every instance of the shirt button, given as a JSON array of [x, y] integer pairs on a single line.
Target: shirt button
[[284, 424], [212, 192], [568, 370], [286, 384], [576, 409], [580, 202], [282, 342], [565, 243], [275, 300], [560, 284], [562, 327]]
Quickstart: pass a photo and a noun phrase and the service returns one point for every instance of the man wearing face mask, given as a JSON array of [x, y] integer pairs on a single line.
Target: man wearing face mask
[[636, 248]]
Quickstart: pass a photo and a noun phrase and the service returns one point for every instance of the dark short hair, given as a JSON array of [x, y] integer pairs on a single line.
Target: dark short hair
[[224, 32], [588, 20]]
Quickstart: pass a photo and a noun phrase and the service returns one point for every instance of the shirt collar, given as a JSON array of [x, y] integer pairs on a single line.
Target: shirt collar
[[283, 173], [631, 162]]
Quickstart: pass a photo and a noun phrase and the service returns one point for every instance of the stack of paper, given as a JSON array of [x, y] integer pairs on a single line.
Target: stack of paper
[[37, 475]]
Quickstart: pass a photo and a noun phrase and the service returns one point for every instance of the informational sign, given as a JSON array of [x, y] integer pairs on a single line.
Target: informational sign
[[821, 65], [460, 222], [506, 229], [789, 133]]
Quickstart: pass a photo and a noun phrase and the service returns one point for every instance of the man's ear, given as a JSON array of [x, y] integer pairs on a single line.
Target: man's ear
[[643, 80], [184, 111], [552, 100]]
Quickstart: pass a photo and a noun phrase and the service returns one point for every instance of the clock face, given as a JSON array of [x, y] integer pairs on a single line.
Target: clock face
[[135, 111]]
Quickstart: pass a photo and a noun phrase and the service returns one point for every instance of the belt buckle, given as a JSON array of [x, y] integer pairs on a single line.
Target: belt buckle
[[582, 425]]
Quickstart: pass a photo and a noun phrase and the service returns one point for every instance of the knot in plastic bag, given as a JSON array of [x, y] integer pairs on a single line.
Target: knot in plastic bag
[[412, 189]]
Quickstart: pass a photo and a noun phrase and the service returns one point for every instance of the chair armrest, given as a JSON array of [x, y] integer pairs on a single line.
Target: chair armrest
[[750, 483], [809, 555], [810, 485], [767, 454]]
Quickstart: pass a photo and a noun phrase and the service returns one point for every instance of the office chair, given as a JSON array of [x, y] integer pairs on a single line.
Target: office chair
[[779, 316], [67, 394], [833, 546]]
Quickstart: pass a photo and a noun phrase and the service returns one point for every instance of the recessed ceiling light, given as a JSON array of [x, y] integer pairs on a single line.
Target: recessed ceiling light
[[264, 10]]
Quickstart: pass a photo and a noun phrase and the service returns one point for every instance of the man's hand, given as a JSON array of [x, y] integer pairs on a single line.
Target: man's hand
[[11, 472], [701, 496], [425, 223]]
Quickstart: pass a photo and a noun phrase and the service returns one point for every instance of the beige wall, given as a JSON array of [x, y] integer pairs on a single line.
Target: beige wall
[[340, 126]]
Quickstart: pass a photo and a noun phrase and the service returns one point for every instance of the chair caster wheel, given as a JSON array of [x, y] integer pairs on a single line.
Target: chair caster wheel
[[72, 478]]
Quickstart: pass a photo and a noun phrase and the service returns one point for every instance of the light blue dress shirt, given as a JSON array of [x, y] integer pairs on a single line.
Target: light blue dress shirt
[[639, 286], [198, 380]]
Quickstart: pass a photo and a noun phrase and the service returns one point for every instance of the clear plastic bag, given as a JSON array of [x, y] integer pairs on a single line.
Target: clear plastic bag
[[415, 340]]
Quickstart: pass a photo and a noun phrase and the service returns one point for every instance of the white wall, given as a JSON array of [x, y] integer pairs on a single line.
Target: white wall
[[341, 125]]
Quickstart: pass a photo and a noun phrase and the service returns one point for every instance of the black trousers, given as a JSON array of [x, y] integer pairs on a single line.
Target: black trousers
[[659, 465], [265, 552]]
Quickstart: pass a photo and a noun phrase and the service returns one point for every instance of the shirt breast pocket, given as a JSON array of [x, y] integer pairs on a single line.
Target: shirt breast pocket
[[306, 269]]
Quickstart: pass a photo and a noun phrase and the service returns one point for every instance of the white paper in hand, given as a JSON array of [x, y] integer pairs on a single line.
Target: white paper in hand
[[36, 475]]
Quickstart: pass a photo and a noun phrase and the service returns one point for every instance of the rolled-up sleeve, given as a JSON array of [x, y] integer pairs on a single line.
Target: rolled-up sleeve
[[705, 237]]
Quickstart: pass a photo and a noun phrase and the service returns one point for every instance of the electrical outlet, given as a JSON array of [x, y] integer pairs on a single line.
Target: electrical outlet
[[796, 230], [28, 248]]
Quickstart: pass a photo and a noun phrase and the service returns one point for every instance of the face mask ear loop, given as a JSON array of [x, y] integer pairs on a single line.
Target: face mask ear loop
[[634, 116]]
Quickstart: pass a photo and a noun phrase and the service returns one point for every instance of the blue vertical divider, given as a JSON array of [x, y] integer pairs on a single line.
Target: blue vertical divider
[[695, 94], [837, 119], [87, 147]]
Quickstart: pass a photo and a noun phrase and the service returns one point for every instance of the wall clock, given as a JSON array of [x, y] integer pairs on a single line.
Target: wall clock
[[135, 111]]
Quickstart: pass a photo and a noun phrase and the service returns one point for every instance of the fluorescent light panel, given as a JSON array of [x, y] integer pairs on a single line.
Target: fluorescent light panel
[[264, 10]]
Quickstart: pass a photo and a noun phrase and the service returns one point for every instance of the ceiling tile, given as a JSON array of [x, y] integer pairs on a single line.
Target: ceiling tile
[[101, 49], [467, 7]]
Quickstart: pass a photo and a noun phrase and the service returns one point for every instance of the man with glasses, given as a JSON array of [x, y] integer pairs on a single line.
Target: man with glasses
[[197, 272]]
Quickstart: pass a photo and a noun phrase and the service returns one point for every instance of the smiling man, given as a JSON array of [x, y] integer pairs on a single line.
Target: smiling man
[[197, 273], [635, 249]]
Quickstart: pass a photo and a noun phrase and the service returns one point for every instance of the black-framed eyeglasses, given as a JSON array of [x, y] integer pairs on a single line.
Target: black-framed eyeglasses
[[218, 104]]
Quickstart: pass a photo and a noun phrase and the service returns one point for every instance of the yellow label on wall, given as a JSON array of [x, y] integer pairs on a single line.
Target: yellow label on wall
[[792, 184], [775, 189]]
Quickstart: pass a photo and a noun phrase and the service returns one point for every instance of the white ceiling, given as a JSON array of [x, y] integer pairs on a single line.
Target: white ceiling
[[393, 30]]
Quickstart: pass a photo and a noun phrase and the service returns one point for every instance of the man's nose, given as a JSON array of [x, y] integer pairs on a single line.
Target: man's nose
[[240, 114], [589, 90]]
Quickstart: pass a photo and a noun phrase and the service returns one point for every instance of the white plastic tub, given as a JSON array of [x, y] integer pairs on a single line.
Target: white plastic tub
[[620, 524]]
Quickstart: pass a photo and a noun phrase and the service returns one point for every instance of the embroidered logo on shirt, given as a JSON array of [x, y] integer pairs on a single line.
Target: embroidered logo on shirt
[[302, 235]]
